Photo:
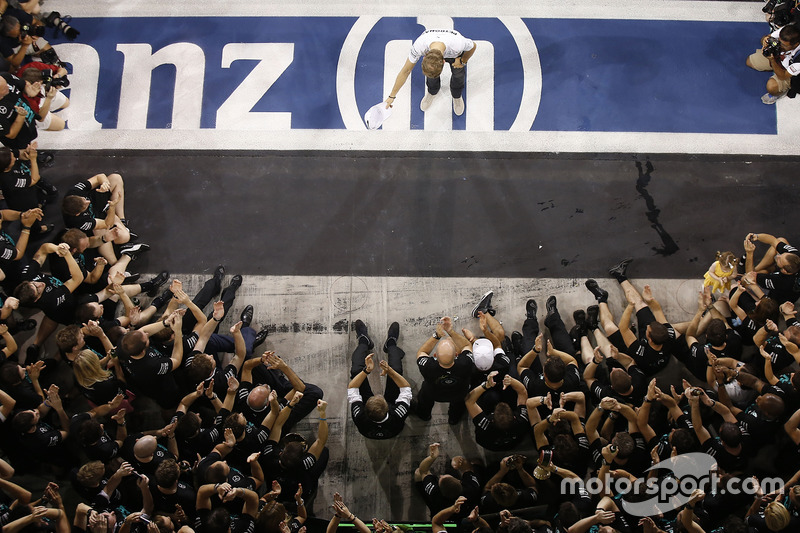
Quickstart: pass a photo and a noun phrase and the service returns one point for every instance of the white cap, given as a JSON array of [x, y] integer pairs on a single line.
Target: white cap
[[483, 352], [376, 114]]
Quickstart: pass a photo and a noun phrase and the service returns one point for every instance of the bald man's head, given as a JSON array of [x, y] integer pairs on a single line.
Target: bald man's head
[[145, 447], [258, 398], [446, 353]]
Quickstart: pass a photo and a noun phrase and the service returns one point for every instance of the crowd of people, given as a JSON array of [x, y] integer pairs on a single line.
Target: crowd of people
[[600, 402]]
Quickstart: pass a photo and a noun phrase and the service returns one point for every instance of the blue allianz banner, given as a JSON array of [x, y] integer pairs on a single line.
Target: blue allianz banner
[[280, 73]]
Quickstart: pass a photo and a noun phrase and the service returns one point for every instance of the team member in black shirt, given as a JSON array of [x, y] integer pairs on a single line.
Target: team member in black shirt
[[446, 373], [502, 428], [17, 119], [777, 272], [48, 293], [378, 417], [146, 369]]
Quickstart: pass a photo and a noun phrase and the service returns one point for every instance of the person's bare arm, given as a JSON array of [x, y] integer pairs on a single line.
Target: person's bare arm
[[322, 432], [459, 340], [176, 322], [402, 76], [424, 467], [437, 522]]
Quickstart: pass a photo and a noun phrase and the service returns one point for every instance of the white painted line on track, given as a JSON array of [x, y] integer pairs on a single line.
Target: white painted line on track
[[468, 141], [604, 9]]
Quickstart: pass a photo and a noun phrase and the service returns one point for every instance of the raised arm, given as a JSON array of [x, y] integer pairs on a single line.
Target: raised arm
[[437, 522], [424, 467], [275, 362], [176, 323], [322, 432]]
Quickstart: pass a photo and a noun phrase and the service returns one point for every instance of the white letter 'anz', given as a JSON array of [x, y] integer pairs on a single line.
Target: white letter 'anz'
[[480, 80]]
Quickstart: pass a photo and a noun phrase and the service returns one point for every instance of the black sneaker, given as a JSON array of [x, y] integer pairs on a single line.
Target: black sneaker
[[261, 336], [362, 335], [392, 335], [154, 284], [130, 279], [620, 269], [516, 343], [550, 305], [133, 250], [31, 354], [531, 308], [162, 299], [46, 159], [236, 282], [247, 316], [28, 324], [484, 305], [579, 316], [133, 236], [125, 222], [599, 294], [506, 345], [219, 273], [491, 310], [592, 313]]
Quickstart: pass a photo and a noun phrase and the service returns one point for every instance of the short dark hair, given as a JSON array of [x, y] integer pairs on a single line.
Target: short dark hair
[[199, 369], [167, 473], [9, 373], [72, 205], [90, 432], [73, 236], [234, 423], [5, 157], [67, 338], [292, 455], [684, 440], [132, 343], [790, 33], [188, 425], [658, 333], [25, 293], [216, 473], [9, 23], [84, 313], [716, 332], [451, 488], [503, 416], [730, 434], [620, 381], [555, 369], [624, 443], [217, 521], [23, 422], [32, 75], [504, 494]]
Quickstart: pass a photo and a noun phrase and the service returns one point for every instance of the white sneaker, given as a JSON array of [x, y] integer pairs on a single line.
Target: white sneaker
[[458, 106], [770, 99], [426, 101]]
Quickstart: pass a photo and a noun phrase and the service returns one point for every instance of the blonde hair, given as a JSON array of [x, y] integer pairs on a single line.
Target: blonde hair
[[88, 370], [433, 63], [776, 516], [727, 259]]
